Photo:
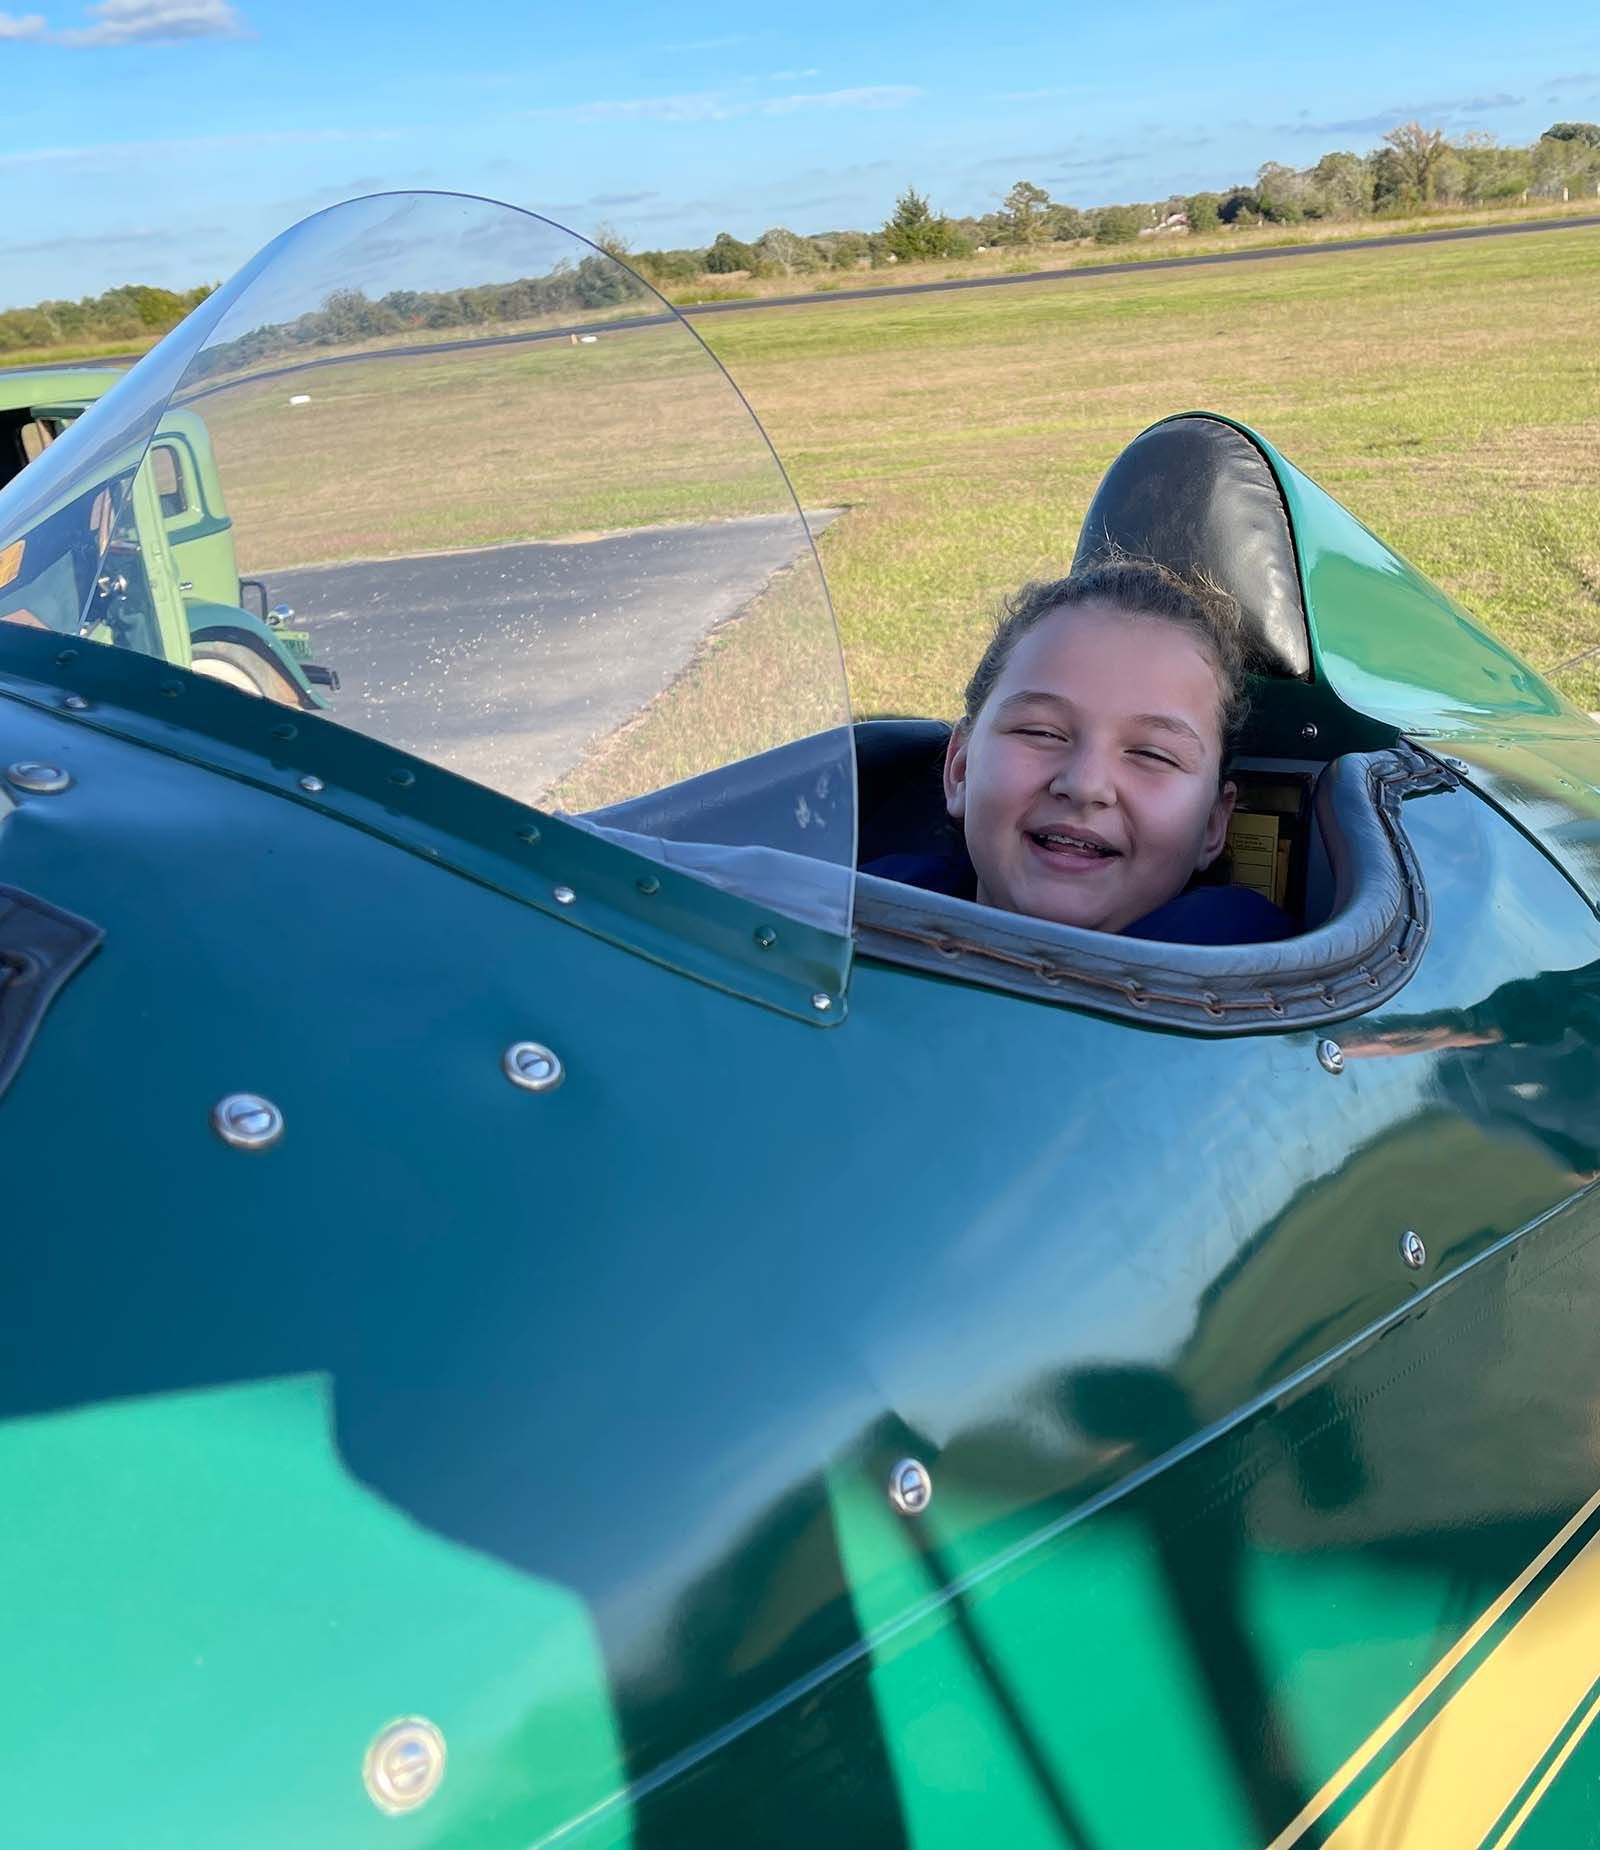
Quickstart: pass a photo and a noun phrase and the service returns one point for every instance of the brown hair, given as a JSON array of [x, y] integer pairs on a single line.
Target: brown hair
[[1138, 588]]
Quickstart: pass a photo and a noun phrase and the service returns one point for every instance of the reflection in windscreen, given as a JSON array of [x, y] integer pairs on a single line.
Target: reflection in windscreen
[[513, 506]]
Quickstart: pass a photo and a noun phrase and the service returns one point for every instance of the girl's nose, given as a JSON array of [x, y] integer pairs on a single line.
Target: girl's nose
[[1084, 776]]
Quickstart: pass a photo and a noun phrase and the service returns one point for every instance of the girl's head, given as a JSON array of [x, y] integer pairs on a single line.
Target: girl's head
[[1087, 771]]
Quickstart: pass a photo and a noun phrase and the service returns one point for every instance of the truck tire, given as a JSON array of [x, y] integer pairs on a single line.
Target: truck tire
[[240, 666]]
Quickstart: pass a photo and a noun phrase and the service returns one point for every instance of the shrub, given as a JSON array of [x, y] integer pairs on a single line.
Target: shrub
[[1117, 225]]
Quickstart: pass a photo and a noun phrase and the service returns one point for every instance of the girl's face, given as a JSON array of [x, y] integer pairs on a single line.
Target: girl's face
[[1087, 786]]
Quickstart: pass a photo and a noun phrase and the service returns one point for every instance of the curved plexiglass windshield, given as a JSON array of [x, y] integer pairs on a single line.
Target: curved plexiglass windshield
[[464, 482]]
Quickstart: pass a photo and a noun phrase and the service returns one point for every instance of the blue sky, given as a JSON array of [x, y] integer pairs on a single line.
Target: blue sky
[[164, 140]]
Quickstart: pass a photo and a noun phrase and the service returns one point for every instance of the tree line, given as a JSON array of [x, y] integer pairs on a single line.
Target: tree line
[[1416, 169]]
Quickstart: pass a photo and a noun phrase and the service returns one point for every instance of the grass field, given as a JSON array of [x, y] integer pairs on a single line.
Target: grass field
[[1449, 395]]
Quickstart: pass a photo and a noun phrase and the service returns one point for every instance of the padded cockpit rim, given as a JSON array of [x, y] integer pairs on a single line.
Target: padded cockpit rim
[[1363, 954]]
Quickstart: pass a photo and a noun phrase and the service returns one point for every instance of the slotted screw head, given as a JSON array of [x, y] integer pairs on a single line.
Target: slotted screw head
[[532, 1066], [40, 780], [1413, 1251], [246, 1121], [910, 1487], [1331, 1055], [404, 1765]]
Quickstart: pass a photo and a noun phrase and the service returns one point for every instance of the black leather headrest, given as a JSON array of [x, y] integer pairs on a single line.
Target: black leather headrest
[[1199, 496]]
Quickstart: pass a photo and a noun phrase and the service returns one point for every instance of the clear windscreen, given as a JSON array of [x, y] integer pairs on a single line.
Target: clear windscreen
[[465, 483]]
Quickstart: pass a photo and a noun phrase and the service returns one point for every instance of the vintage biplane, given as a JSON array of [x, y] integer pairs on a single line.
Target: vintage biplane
[[639, 1334]]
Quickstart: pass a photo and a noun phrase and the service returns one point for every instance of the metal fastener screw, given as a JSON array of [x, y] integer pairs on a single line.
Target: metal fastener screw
[[402, 777], [649, 885], [1331, 1055], [1413, 1251], [532, 1066], [1308, 731], [528, 833], [910, 1487], [312, 785], [75, 703], [563, 896], [766, 937], [40, 780], [1458, 765], [247, 1121], [404, 1765], [821, 1003], [285, 729]]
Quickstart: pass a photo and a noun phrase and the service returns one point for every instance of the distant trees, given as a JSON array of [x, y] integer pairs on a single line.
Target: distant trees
[[1025, 214], [1117, 224], [1415, 155], [787, 252], [727, 254], [1416, 168], [1201, 211], [914, 230], [1342, 183]]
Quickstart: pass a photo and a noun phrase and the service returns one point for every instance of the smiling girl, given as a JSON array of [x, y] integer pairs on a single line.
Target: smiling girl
[[1088, 770]]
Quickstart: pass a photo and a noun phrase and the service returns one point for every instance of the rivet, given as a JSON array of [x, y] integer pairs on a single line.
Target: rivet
[[1458, 765], [648, 884], [66, 656], [285, 729], [312, 785], [75, 703], [1413, 1251], [247, 1121], [401, 776], [40, 780], [821, 1003], [404, 1765], [172, 689], [528, 833], [766, 937], [1331, 1056], [563, 896], [910, 1487], [532, 1066], [1308, 731]]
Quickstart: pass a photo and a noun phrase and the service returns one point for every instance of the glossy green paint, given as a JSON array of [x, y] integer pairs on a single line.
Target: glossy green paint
[[600, 1390], [228, 1556], [1395, 649]]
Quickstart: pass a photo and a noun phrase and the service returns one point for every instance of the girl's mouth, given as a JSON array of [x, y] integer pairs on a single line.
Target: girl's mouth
[[1064, 845]]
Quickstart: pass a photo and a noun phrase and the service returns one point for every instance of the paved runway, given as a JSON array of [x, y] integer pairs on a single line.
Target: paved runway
[[505, 663]]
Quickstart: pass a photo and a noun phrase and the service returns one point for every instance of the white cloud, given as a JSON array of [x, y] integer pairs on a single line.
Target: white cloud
[[143, 22], [27, 26], [118, 153], [877, 96], [726, 105]]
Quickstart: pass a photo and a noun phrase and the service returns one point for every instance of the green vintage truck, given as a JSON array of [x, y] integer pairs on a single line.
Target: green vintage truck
[[187, 544]]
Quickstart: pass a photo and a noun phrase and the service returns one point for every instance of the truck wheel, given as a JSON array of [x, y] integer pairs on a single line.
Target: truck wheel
[[241, 667]]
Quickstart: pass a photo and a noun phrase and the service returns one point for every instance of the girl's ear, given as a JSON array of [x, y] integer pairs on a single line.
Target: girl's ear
[[1216, 835], [955, 771]]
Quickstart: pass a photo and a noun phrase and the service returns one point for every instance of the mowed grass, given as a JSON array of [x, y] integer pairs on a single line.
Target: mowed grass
[[1449, 395]]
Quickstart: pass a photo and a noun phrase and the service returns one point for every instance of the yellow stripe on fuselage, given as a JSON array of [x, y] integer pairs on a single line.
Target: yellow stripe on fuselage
[[1456, 1778], [1410, 1829]]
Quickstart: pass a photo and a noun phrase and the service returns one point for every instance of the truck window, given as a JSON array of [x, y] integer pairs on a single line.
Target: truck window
[[168, 480]]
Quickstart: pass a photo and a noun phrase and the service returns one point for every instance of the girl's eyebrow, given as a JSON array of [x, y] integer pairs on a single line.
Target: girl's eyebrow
[[1168, 722], [1160, 722]]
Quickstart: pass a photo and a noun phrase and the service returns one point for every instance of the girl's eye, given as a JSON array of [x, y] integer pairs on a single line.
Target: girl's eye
[[1155, 757], [1038, 732]]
